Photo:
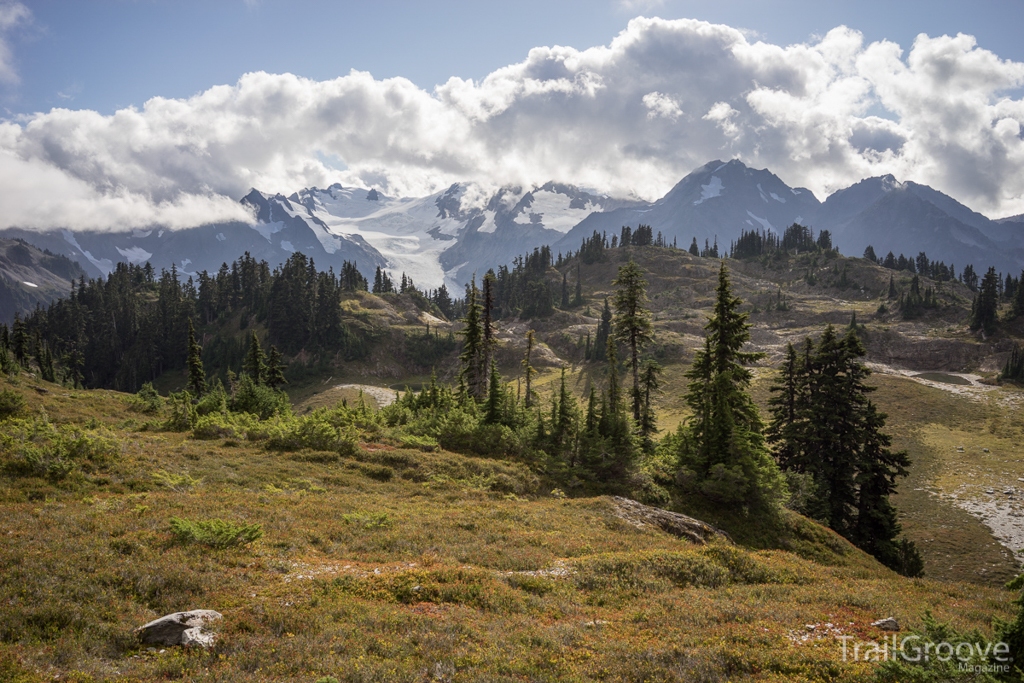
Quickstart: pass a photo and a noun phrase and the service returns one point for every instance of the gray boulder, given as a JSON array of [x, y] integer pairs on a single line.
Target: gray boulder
[[180, 628], [682, 526], [887, 624]]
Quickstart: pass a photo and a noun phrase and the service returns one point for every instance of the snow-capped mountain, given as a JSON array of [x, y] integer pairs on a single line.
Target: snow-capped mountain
[[719, 199], [909, 218], [450, 235]]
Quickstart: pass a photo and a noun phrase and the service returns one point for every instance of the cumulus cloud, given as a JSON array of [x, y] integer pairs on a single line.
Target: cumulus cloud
[[823, 115], [661, 105]]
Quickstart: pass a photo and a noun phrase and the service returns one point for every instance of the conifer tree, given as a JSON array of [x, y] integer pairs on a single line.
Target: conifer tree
[[604, 329], [650, 382], [255, 364], [495, 396], [275, 369], [823, 426], [196, 374], [632, 322], [1017, 307], [578, 298], [983, 312], [528, 370], [487, 324], [724, 453], [564, 304], [694, 249], [19, 340], [472, 355]]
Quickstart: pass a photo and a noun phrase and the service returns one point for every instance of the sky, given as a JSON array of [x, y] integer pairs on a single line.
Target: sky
[[120, 114]]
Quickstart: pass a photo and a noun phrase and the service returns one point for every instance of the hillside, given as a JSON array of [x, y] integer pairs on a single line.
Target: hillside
[[30, 276], [387, 553], [389, 562]]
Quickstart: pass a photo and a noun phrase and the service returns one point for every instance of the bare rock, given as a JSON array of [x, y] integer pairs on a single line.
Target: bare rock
[[640, 515], [180, 628], [887, 624]]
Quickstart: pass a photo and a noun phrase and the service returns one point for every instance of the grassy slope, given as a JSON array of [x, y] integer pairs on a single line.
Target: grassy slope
[[396, 565]]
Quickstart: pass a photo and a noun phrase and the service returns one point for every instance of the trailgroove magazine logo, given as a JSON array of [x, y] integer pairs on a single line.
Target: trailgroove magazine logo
[[980, 657]]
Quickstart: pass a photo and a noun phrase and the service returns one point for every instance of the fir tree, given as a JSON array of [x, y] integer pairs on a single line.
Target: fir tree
[[1017, 307], [632, 322], [473, 351], [564, 304], [694, 249], [650, 382], [604, 328], [495, 397], [983, 312], [196, 374], [19, 340], [255, 363], [275, 369], [723, 449], [578, 297], [528, 370]]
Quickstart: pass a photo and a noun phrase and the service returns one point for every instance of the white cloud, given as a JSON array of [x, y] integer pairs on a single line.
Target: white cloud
[[12, 14], [660, 105], [822, 115]]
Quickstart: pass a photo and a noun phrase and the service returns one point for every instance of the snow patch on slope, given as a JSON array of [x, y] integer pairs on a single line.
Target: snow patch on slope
[[556, 211], [712, 189], [135, 255], [765, 223]]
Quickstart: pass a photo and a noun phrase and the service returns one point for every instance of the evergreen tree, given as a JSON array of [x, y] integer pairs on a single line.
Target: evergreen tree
[[869, 254], [564, 304], [274, 369], [255, 363], [196, 374], [983, 312], [578, 297], [632, 322], [824, 427], [528, 371], [604, 328], [495, 397], [694, 249], [19, 340], [1017, 308], [650, 382], [723, 452], [473, 351]]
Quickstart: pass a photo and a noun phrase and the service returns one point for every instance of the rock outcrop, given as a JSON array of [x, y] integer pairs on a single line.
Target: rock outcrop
[[180, 628], [640, 515]]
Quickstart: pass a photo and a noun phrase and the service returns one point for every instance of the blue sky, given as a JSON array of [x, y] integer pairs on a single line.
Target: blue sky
[[108, 54], [119, 114]]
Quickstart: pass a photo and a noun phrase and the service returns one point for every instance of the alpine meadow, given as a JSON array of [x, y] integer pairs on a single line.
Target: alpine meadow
[[503, 376]]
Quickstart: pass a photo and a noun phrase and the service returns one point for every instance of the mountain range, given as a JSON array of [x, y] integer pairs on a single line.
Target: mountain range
[[450, 235]]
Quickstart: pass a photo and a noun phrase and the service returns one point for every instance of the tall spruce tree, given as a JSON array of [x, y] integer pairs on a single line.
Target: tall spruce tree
[[723, 452], [275, 369], [473, 346], [632, 323], [823, 426], [986, 303], [196, 374], [604, 330], [528, 371], [255, 363]]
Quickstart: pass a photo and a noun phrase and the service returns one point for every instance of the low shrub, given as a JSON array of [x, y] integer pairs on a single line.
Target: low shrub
[[41, 449], [11, 403], [215, 533], [146, 400]]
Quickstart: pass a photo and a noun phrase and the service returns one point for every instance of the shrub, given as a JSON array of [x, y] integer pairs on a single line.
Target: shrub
[[258, 399], [183, 412], [215, 533], [38, 448], [11, 403], [213, 401], [146, 400]]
